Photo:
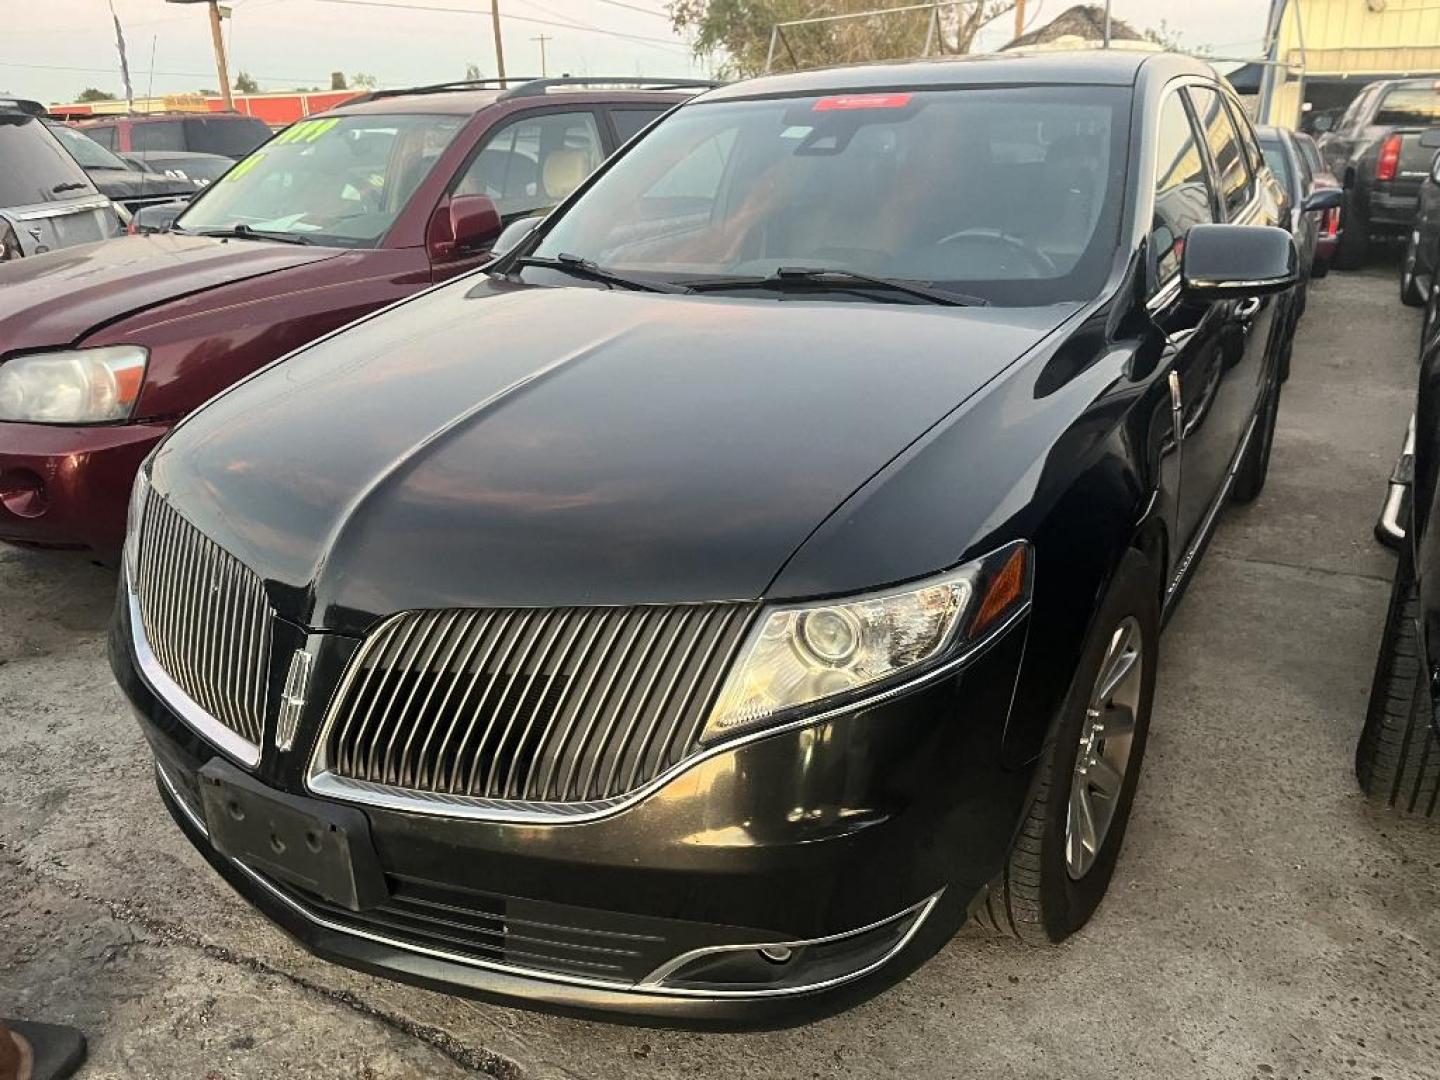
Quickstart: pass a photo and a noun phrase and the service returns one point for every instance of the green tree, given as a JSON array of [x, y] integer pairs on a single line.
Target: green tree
[[245, 83], [362, 81], [737, 33], [1168, 38], [91, 94]]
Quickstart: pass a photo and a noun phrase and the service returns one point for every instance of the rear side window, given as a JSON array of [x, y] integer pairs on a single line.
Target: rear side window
[[157, 135], [230, 136], [1231, 168], [1182, 189], [630, 122], [36, 168], [1409, 106], [1279, 164], [105, 136]]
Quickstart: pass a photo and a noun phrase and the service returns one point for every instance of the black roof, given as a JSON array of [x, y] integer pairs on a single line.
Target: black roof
[[1096, 67]]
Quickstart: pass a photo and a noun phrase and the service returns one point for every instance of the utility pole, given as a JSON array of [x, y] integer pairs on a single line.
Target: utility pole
[[542, 39], [220, 66], [1019, 17], [499, 45]]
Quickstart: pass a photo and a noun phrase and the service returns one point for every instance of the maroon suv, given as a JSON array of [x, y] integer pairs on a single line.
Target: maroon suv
[[104, 347]]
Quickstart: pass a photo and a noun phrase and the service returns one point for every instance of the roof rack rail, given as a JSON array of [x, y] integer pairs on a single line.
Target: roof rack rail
[[21, 105], [439, 88], [538, 87]]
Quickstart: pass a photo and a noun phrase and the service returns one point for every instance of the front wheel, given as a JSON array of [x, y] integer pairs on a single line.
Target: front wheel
[[1063, 859], [1410, 294], [1255, 464], [1397, 760]]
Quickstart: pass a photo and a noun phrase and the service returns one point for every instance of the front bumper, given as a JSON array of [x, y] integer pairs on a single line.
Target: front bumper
[[69, 486], [852, 847]]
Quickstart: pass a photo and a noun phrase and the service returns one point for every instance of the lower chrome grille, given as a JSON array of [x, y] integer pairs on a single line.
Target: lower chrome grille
[[565, 705], [505, 930], [206, 619]]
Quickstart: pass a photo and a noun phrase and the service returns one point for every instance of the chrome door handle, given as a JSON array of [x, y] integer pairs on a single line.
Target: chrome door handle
[[1246, 309]]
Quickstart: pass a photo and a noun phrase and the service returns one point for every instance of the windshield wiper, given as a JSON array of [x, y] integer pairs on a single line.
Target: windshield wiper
[[821, 277], [241, 231], [574, 264]]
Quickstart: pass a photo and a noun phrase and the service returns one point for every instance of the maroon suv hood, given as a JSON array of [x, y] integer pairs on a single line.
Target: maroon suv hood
[[58, 298]]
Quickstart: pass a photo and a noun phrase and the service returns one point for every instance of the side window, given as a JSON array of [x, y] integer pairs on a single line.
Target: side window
[[630, 122], [105, 136], [533, 163], [1247, 136], [1182, 189], [1231, 169], [157, 135]]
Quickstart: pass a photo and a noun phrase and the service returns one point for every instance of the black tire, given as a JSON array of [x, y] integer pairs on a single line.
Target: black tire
[[1320, 268], [1034, 898], [1432, 316], [1354, 246], [1255, 465], [1397, 760], [1410, 294]]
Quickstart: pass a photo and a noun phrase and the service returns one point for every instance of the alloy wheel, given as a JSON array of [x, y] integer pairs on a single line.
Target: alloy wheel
[[1103, 759]]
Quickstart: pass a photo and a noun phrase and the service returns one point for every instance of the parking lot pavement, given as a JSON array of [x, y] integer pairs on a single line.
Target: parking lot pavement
[[1263, 922]]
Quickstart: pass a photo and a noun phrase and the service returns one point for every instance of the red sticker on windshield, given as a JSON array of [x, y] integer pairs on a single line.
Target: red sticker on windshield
[[861, 101]]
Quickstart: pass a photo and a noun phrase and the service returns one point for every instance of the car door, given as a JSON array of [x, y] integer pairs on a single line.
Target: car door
[[1184, 196], [1219, 413], [527, 164]]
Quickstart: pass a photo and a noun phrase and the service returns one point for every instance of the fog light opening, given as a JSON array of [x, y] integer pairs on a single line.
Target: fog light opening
[[777, 954]]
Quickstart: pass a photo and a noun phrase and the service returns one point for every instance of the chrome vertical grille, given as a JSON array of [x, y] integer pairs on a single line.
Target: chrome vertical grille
[[206, 619], [563, 705]]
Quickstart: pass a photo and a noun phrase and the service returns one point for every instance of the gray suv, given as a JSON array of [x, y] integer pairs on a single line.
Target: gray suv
[[46, 200]]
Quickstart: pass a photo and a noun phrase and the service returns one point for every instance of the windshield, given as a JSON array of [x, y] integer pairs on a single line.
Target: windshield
[[339, 180], [1010, 194], [86, 151], [35, 168]]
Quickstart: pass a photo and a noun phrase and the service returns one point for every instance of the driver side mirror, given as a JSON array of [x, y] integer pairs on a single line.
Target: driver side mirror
[[463, 226], [1324, 199], [515, 234], [1226, 262]]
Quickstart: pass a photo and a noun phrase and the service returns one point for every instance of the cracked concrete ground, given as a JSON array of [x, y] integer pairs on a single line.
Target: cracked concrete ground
[[1263, 922]]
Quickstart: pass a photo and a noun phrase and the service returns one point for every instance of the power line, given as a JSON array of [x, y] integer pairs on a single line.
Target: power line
[[517, 18], [167, 74], [635, 7], [580, 24]]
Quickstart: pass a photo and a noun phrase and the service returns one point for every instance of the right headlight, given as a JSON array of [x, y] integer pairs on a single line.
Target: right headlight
[[73, 386], [134, 521], [798, 655]]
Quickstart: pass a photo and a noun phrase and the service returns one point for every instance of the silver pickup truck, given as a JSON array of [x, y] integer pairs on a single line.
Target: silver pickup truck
[[46, 200]]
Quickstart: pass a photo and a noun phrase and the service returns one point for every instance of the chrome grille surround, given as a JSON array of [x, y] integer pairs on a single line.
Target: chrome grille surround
[[202, 627], [517, 712]]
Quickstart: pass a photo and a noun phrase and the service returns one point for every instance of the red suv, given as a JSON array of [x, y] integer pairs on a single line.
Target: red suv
[[104, 347]]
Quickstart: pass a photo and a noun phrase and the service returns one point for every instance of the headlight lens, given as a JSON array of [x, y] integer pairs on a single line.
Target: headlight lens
[[9, 243], [134, 519], [801, 654], [76, 386]]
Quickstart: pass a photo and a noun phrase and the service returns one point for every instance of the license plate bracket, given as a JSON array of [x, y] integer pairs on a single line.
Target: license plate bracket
[[319, 847]]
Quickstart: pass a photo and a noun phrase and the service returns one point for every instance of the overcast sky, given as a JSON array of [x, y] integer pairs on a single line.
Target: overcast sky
[[54, 48]]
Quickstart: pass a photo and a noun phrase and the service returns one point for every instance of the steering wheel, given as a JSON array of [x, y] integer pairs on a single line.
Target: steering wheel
[[1039, 264]]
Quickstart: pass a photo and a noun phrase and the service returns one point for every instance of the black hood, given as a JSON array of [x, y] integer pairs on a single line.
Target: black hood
[[489, 446], [122, 185]]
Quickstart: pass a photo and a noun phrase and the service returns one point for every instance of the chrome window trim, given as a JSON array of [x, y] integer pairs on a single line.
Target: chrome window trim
[[234, 745], [54, 210], [326, 784], [1256, 283], [924, 907]]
